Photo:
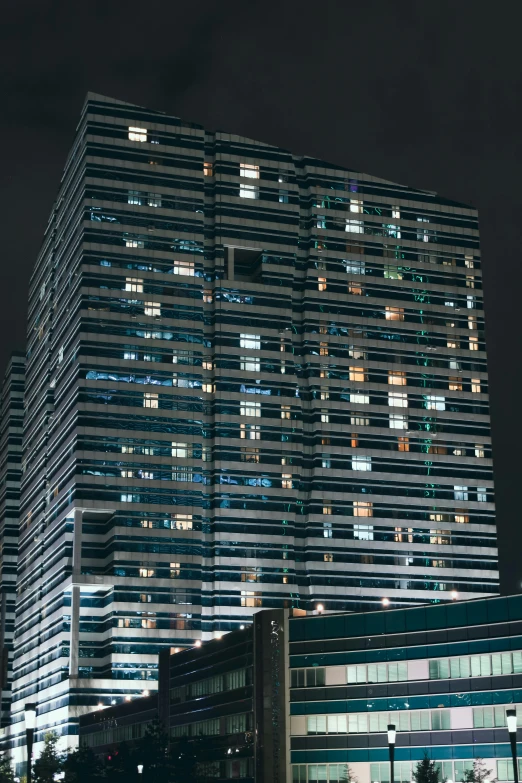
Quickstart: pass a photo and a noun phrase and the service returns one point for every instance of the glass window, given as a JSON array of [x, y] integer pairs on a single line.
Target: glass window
[[137, 134], [396, 378], [248, 408], [250, 364], [249, 170], [398, 399], [394, 313], [252, 341], [433, 402], [398, 421], [248, 191], [361, 463], [362, 508]]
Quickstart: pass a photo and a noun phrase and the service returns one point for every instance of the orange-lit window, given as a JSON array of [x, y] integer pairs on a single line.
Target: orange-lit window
[[455, 383], [475, 385], [208, 169], [328, 557], [357, 374], [362, 508], [397, 378], [403, 443], [327, 509], [321, 283], [355, 288], [394, 313], [462, 517], [323, 349], [473, 343], [354, 442]]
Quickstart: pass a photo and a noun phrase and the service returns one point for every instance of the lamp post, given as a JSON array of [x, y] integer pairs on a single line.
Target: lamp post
[[30, 722], [140, 771], [391, 748], [511, 717]]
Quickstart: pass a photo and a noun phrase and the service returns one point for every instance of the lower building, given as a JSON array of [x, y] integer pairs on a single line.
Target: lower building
[[308, 699]]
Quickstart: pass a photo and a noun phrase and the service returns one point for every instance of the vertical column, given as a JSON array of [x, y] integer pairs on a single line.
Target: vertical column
[[75, 597], [230, 263]]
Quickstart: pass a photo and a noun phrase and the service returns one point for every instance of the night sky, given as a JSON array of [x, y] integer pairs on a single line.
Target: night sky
[[423, 93]]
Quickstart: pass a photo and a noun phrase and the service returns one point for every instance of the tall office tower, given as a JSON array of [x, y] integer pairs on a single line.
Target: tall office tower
[[11, 425], [253, 380]]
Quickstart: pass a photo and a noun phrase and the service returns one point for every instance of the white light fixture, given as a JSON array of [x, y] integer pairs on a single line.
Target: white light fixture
[[146, 693], [392, 733], [30, 716], [320, 608], [511, 717], [140, 769], [454, 596], [241, 627], [385, 601], [197, 643]]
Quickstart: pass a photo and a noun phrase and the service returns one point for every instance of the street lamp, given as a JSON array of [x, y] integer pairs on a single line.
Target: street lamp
[[391, 747], [140, 769], [30, 722], [511, 717]]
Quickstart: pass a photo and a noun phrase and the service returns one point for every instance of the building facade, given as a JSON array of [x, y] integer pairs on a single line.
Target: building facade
[[254, 380], [11, 428], [444, 675]]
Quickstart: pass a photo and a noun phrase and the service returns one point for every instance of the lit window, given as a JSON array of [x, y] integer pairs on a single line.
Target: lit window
[[328, 557], [127, 473], [392, 272], [356, 353], [247, 408], [184, 268], [249, 170], [145, 474], [462, 519], [327, 530], [353, 267], [357, 373], [137, 134], [321, 283], [152, 308], [208, 169], [470, 281], [459, 452], [470, 302], [181, 522], [472, 323], [248, 191], [208, 388], [396, 213], [146, 572], [454, 364], [327, 510], [154, 200], [360, 421], [482, 495], [206, 364], [356, 205], [285, 411], [460, 493], [249, 598], [325, 416], [180, 450], [286, 481], [283, 367], [398, 399], [396, 378], [403, 444], [363, 532], [283, 196], [134, 284], [324, 393], [355, 288], [326, 462], [362, 508], [134, 242], [453, 343], [454, 383], [249, 455], [361, 463], [394, 313], [354, 226], [175, 570], [127, 449], [468, 260], [323, 349], [252, 341], [150, 400], [479, 450], [134, 197], [130, 355], [250, 431], [473, 343], [321, 221], [398, 421], [148, 523], [361, 399], [207, 296], [435, 403]]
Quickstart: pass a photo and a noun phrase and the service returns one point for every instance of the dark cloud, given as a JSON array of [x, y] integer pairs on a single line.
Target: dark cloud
[[422, 93]]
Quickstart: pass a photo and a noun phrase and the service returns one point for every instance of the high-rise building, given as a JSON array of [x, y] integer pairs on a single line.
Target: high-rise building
[[253, 380], [11, 425]]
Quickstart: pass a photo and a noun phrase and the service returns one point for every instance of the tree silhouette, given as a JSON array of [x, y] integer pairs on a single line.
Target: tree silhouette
[[426, 771]]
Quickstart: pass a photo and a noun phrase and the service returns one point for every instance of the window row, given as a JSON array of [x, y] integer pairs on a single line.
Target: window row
[[365, 722], [476, 665]]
